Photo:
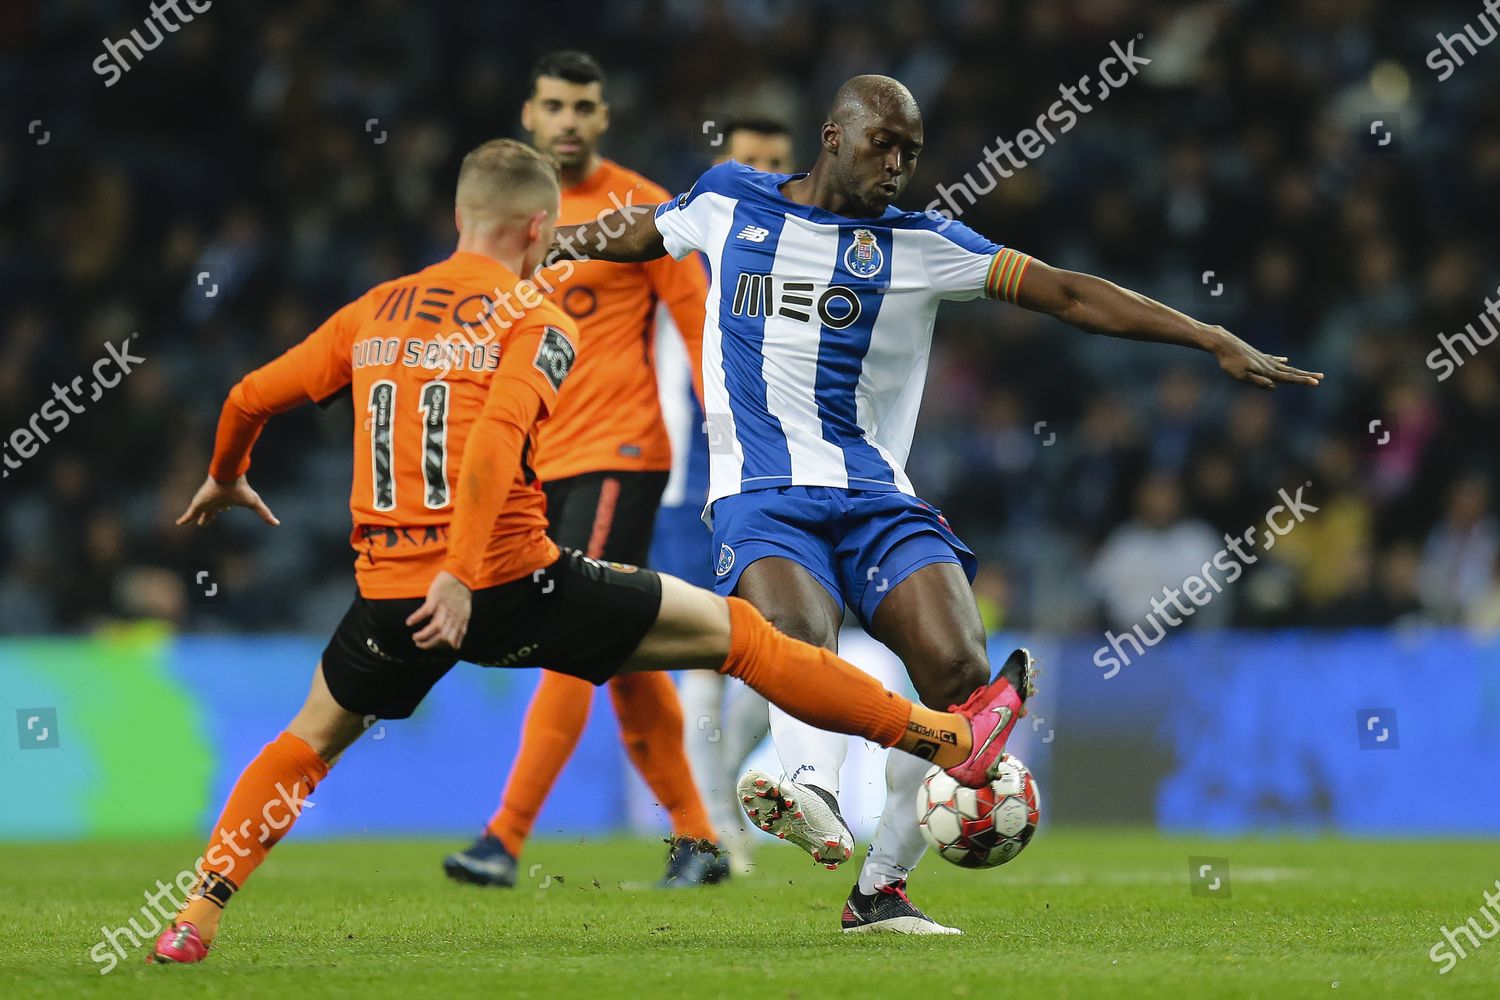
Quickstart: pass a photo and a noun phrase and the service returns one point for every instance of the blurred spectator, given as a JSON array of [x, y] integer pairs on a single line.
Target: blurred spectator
[[1331, 550], [1400, 597], [1178, 421], [1102, 468], [1157, 548], [992, 592], [1484, 614], [1458, 562]]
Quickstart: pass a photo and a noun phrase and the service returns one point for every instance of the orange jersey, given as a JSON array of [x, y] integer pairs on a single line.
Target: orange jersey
[[431, 361], [609, 416]]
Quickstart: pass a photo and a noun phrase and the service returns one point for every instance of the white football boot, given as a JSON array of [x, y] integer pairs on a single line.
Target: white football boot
[[804, 815]]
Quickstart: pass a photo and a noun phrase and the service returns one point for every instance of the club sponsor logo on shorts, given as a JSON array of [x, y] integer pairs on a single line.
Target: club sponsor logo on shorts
[[516, 658], [622, 567], [554, 358], [726, 560], [375, 650], [864, 256]]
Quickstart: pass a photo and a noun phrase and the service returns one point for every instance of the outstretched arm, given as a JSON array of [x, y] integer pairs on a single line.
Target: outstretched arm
[[313, 370], [636, 233], [258, 397], [214, 498], [625, 236], [1098, 306]]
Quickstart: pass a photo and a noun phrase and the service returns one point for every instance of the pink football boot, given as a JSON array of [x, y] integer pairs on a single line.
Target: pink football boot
[[992, 712], [179, 944]]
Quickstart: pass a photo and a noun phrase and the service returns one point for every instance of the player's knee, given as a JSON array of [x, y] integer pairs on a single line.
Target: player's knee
[[805, 624], [328, 738], [954, 676], [324, 724]]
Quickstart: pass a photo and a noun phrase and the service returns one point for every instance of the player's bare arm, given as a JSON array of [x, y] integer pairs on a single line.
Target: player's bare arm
[[1098, 306], [627, 235]]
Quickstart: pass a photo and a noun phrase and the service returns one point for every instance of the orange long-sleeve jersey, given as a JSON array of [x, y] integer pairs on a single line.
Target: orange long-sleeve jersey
[[451, 368], [609, 416]]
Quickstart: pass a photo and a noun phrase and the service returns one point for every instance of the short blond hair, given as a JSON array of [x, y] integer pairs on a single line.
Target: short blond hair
[[505, 179]]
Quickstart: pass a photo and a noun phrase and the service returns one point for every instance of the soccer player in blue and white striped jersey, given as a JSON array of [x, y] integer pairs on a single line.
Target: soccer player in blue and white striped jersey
[[815, 349]]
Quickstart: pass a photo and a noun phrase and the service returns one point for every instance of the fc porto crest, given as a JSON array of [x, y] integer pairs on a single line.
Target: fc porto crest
[[864, 256], [726, 560]]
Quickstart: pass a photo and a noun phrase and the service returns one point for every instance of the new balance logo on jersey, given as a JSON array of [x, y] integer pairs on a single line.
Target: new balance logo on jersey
[[837, 308], [755, 234]]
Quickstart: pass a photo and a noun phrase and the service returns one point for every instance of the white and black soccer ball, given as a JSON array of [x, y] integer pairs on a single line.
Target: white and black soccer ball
[[979, 827]]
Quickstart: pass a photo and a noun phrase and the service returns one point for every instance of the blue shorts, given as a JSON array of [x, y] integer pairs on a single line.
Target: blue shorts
[[859, 544], [681, 545]]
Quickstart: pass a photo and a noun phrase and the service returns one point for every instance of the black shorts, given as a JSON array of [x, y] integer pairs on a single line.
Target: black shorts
[[578, 616], [607, 515]]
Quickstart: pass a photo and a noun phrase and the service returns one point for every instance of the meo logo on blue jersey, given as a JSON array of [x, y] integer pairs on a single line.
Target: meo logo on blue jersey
[[838, 307]]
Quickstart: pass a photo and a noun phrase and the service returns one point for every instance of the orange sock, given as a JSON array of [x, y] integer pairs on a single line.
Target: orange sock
[[554, 723], [267, 799], [651, 725], [822, 690]]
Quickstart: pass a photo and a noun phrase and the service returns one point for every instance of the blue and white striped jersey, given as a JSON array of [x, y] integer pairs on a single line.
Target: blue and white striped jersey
[[819, 328]]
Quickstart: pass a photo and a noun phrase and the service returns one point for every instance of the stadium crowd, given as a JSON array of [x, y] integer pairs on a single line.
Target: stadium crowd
[[263, 165]]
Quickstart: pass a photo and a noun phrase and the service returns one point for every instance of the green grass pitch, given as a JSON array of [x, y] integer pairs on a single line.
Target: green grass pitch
[[1083, 913]]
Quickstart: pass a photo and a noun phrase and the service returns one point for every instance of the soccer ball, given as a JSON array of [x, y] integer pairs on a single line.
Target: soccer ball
[[979, 827]]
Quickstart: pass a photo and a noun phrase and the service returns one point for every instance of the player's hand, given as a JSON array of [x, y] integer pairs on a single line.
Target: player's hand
[[445, 612], [214, 497], [1244, 363]]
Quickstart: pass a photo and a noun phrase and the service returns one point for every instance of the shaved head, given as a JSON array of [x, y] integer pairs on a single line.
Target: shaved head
[[871, 141], [866, 99]]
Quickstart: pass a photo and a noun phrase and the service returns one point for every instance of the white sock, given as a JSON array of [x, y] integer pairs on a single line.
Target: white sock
[[746, 720], [809, 756], [898, 844], [702, 693]]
